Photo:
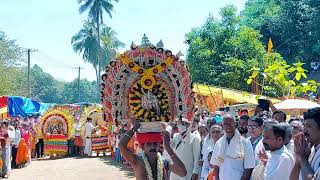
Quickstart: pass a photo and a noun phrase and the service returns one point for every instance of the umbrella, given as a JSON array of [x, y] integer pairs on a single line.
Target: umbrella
[[296, 104]]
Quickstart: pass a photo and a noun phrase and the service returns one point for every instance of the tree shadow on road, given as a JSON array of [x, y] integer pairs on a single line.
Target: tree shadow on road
[[110, 162]]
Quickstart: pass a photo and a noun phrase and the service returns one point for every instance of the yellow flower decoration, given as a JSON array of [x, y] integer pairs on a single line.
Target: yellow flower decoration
[[147, 82], [63, 114]]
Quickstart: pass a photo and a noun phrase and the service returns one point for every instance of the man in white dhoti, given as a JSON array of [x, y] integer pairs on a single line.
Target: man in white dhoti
[[280, 163], [232, 157], [307, 166], [187, 147], [88, 133]]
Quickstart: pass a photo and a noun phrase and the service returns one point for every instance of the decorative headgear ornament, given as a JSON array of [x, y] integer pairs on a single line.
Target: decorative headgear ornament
[[148, 83]]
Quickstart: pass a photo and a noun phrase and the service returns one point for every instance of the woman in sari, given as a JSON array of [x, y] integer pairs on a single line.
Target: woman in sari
[[22, 153]]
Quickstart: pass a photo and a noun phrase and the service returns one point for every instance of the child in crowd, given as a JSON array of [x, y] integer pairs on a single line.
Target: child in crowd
[[211, 173]]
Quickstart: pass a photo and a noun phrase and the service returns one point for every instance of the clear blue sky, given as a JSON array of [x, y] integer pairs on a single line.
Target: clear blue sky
[[48, 25]]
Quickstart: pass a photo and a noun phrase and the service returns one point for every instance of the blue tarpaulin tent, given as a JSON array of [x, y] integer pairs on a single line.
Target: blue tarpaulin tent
[[25, 107]]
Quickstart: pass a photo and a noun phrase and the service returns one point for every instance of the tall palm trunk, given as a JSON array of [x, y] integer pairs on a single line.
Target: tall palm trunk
[[97, 75], [99, 64]]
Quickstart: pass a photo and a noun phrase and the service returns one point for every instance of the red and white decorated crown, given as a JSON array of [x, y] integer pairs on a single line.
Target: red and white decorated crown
[[147, 83]]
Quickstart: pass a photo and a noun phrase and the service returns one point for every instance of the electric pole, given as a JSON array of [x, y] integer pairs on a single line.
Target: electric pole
[[79, 71], [29, 51]]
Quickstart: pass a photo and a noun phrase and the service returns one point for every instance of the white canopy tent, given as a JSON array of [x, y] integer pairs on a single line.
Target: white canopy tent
[[295, 107], [296, 104]]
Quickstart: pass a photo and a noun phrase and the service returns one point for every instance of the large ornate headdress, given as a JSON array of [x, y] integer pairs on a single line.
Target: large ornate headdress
[[147, 83]]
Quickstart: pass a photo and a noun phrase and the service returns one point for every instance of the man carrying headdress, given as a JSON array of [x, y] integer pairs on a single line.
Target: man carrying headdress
[[149, 165]]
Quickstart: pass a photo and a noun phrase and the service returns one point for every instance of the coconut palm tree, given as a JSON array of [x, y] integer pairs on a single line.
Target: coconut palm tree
[[85, 42], [96, 9], [110, 43]]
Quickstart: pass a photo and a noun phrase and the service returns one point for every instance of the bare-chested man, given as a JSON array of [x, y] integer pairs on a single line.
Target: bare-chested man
[[151, 157]]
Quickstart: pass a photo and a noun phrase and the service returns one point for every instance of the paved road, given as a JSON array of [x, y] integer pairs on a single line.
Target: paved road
[[97, 168]]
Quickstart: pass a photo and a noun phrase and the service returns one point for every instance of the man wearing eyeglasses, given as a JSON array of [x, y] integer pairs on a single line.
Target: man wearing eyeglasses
[[255, 130]]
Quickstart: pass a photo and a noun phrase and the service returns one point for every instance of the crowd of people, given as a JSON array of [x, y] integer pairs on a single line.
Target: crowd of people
[[213, 146], [265, 146], [20, 142]]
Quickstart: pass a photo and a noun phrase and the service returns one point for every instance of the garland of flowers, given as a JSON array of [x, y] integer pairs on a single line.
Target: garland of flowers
[[137, 109], [147, 75], [148, 167], [64, 114]]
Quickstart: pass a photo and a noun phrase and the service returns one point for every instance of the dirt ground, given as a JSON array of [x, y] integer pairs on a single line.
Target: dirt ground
[[96, 168]]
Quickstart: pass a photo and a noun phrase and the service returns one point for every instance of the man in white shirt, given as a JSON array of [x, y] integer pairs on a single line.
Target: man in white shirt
[[187, 147], [78, 143], [307, 166], [17, 137], [89, 128], [288, 141], [232, 157], [281, 161], [215, 134], [202, 133], [10, 141], [194, 128]]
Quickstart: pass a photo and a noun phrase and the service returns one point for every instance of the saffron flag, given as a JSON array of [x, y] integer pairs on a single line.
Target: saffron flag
[[270, 45]]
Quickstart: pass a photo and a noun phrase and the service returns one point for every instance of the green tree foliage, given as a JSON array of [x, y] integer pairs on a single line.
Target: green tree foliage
[[287, 80], [292, 24], [10, 52], [43, 86], [96, 9], [261, 15], [87, 92], [221, 51], [11, 60], [110, 43]]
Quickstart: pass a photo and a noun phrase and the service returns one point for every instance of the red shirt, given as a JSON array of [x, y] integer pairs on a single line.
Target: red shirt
[[3, 138]]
